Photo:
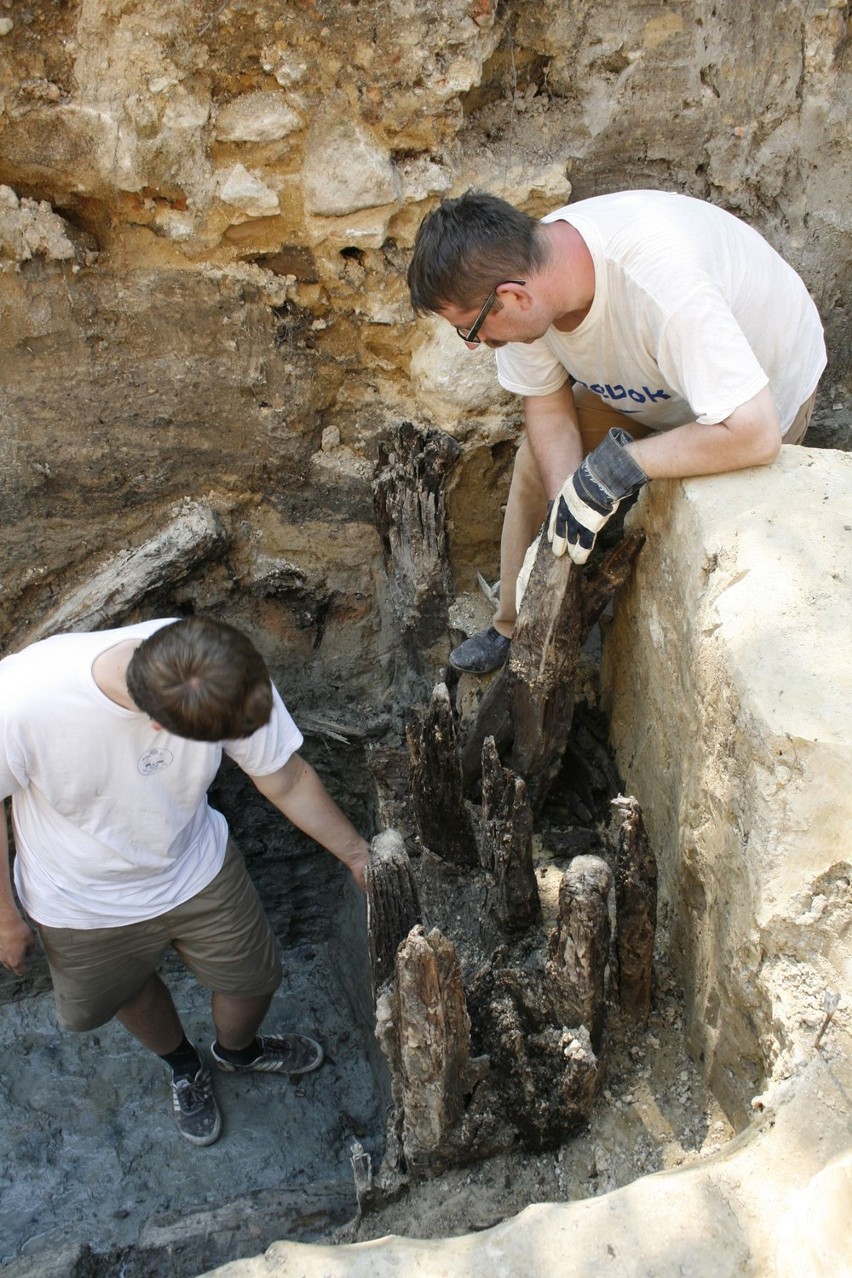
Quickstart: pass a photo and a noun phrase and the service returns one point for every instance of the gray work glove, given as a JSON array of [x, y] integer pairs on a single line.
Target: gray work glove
[[592, 495]]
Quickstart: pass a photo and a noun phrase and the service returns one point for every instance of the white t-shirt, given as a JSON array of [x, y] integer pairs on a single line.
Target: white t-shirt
[[694, 313], [111, 818]]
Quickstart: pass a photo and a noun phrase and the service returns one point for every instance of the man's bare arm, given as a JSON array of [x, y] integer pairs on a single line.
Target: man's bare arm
[[751, 436], [297, 791], [554, 436], [16, 938]]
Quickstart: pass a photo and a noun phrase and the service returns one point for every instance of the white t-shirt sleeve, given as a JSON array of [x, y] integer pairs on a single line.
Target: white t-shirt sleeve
[[529, 368], [9, 783], [268, 749], [13, 773], [705, 356]]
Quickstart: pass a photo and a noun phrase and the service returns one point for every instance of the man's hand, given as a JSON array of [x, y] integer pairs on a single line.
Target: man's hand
[[592, 495], [358, 865], [16, 942]]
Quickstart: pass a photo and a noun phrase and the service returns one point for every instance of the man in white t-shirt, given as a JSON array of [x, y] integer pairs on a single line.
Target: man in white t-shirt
[[651, 335], [108, 744]]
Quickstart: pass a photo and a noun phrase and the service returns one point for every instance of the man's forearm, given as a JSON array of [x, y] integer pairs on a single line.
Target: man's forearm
[[16, 938], [554, 436], [751, 436], [297, 791]]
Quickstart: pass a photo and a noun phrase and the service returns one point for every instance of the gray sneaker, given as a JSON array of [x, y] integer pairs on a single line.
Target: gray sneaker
[[279, 1054], [198, 1117], [484, 651]]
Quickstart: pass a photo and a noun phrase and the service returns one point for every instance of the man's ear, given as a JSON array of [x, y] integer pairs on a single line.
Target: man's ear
[[519, 292]]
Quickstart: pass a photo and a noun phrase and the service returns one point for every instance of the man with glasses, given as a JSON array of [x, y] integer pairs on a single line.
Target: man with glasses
[[651, 335]]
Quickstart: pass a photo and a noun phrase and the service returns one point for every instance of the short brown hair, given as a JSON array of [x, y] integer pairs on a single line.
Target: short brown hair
[[201, 678], [468, 245]]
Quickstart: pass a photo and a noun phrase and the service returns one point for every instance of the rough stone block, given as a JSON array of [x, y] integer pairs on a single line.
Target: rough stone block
[[728, 675]]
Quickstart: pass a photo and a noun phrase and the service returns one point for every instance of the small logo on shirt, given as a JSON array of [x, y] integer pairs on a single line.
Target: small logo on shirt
[[154, 760]]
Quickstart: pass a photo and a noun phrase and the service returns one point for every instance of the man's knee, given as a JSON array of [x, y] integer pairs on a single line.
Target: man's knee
[[81, 1019]]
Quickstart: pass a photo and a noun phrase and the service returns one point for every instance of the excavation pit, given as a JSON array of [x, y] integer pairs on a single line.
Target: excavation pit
[[754, 931], [97, 1181]]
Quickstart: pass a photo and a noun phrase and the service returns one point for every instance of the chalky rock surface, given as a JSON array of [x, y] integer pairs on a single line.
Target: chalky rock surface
[[729, 672]]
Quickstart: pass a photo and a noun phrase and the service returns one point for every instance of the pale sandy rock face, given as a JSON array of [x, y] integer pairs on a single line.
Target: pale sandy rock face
[[345, 170], [730, 681], [452, 383]]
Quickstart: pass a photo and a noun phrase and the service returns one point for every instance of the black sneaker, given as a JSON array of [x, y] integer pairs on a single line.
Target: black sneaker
[[484, 651], [279, 1054], [197, 1115]]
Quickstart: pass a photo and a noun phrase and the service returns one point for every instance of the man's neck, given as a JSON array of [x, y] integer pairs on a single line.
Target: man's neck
[[571, 272], [109, 670]]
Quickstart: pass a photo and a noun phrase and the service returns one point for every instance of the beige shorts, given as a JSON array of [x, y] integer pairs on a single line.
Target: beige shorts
[[222, 934], [596, 416], [801, 422]]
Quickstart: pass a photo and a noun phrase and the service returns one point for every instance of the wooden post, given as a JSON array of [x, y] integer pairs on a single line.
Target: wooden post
[[531, 703], [436, 783], [409, 502], [393, 906], [432, 1031], [579, 946], [507, 827], [193, 536], [635, 911]]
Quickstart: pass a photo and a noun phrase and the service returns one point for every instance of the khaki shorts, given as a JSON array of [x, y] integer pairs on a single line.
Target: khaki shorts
[[222, 934], [596, 416], [801, 422]]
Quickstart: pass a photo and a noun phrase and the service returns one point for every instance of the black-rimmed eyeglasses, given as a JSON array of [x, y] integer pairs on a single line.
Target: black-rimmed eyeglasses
[[472, 334]]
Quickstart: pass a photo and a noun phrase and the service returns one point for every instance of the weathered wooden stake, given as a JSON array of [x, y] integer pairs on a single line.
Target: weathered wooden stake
[[393, 907], [531, 703], [635, 911], [432, 1031], [436, 782], [194, 535], [579, 946], [507, 826], [408, 494]]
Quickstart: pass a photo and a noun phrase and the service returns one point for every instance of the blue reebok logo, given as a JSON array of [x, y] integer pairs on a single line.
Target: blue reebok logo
[[619, 392]]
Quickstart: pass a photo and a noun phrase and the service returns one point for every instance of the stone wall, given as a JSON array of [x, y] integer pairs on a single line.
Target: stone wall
[[728, 675], [205, 217]]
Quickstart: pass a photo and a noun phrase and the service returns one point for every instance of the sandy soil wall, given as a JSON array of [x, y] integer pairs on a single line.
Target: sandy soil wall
[[205, 216]]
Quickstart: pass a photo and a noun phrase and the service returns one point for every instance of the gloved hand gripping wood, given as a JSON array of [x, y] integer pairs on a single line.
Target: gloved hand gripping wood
[[592, 495]]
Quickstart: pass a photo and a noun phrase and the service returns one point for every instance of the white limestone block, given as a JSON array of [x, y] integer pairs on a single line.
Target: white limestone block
[[728, 674], [449, 379], [245, 191], [345, 169], [257, 117]]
